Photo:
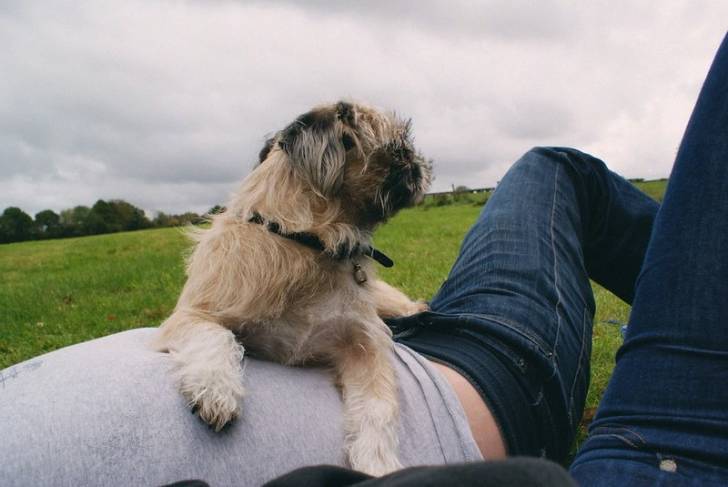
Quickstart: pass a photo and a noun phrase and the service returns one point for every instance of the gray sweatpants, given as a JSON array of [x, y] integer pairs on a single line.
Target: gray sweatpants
[[106, 412]]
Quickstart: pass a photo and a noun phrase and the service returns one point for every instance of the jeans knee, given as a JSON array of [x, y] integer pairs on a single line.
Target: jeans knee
[[584, 170], [540, 161], [549, 152], [560, 155], [538, 165], [575, 159]]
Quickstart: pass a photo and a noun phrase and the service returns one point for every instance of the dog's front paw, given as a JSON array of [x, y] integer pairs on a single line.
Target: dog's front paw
[[377, 459], [414, 307], [216, 408], [420, 307], [213, 396], [373, 450]]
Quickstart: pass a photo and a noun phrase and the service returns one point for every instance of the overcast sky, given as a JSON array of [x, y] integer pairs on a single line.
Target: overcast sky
[[166, 103]]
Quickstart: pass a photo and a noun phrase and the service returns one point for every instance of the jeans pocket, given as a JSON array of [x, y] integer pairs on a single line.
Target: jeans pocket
[[617, 433]]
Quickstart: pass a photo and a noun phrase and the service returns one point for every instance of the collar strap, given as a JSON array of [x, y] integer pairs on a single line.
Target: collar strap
[[311, 240]]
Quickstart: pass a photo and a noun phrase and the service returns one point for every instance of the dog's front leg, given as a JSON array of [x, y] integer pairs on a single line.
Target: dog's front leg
[[369, 389], [393, 303], [207, 363]]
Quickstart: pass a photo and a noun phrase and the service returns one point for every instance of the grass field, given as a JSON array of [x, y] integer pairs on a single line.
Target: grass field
[[58, 292]]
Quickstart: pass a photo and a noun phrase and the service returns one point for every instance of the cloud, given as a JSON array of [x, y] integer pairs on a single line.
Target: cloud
[[166, 104], [494, 19]]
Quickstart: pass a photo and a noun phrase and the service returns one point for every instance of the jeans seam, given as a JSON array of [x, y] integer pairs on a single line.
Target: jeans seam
[[555, 269], [620, 433], [578, 368]]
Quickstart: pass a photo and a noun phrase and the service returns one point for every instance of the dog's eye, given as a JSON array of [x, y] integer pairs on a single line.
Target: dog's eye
[[347, 141]]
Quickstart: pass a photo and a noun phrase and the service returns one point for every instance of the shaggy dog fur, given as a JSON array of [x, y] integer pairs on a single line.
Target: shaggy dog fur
[[335, 173]]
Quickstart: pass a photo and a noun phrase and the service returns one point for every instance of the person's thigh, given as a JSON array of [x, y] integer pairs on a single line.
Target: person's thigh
[[520, 285], [107, 412], [666, 407]]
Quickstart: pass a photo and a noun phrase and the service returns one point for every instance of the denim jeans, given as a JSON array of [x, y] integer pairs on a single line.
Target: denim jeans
[[515, 313], [664, 416]]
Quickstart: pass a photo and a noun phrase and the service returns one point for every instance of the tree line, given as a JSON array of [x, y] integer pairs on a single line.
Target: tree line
[[103, 217]]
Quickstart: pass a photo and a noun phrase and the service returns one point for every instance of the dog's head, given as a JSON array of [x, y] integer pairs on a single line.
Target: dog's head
[[356, 154]]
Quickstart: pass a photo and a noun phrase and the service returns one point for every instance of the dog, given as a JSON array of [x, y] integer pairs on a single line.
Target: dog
[[286, 273]]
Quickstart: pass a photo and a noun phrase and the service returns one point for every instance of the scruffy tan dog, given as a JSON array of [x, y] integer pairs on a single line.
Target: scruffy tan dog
[[286, 272]]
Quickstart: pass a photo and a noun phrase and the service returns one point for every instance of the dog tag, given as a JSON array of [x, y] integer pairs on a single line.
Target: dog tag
[[359, 275]]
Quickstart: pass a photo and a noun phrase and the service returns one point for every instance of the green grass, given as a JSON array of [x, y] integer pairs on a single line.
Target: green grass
[[55, 293], [654, 189], [58, 292]]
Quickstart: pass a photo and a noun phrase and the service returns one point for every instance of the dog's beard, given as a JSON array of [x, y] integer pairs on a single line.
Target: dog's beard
[[406, 181]]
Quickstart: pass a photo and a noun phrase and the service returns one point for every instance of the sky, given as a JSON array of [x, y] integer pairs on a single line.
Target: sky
[[166, 104]]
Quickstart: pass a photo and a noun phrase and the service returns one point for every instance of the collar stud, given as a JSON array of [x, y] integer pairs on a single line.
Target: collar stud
[[359, 275]]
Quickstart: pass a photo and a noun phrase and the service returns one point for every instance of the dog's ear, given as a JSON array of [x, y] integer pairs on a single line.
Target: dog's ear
[[316, 143], [346, 113], [263, 154]]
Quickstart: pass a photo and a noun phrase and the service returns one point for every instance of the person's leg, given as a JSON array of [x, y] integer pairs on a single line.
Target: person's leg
[[666, 406], [517, 304]]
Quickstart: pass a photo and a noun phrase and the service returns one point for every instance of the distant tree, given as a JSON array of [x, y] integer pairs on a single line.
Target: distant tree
[[15, 225], [190, 218], [48, 224], [74, 216], [216, 209], [129, 216], [80, 213], [101, 219], [73, 221], [162, 219]]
